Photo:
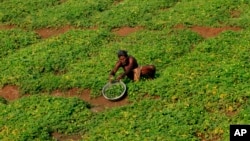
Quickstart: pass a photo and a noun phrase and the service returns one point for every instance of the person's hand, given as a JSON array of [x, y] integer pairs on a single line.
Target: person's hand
[[119, 78], [111, 77]]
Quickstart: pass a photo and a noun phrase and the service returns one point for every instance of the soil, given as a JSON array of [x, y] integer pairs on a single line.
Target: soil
[[124, 31], [49, 32], [6, 27], [98, 104], [208, 32], [62, 137], [202, 137], [9, 93], [116, 2]]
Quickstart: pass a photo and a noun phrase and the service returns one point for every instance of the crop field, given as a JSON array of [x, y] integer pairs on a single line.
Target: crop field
[[56, 55]]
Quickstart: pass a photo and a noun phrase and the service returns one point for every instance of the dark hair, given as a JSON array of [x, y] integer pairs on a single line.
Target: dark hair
[[122, 53]]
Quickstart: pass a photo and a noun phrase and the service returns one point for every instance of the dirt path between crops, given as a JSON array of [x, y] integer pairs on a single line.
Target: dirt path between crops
[[49, 32], [208, 32], [99, 104]]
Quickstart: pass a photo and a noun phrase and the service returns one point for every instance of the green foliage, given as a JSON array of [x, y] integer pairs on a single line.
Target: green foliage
[[3, 101], [11, 40], [131, 13], [35, 14], [110, 14], [74, 12], [157, 120], [196, 12], [202, 84], [36, 117], [23, 12], [51, 64]]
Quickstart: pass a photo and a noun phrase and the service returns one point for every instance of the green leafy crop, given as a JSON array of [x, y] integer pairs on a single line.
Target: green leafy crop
[[200, 88], [12, 40], [36, 117]]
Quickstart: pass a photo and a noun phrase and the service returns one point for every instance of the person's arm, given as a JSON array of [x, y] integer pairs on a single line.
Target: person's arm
[[128, 69], [112, 72]]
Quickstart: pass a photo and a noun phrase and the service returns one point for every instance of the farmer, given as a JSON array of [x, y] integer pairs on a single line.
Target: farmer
[[131, 68]]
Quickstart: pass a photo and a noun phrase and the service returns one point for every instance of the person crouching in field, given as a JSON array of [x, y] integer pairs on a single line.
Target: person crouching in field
[[131, 68]]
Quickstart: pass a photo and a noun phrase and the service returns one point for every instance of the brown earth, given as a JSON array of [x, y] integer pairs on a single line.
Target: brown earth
[[205, 32], [116, 2], [62, 137], [6, 27], [208, 32], [49, 32], [124, 31], [202, 137], [99, 103], [10, 93]]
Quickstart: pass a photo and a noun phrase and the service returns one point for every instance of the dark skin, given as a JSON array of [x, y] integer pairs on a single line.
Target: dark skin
[[128, 63]]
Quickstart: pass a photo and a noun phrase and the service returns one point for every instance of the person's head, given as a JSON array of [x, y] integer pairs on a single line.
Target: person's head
[[122, 55]]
